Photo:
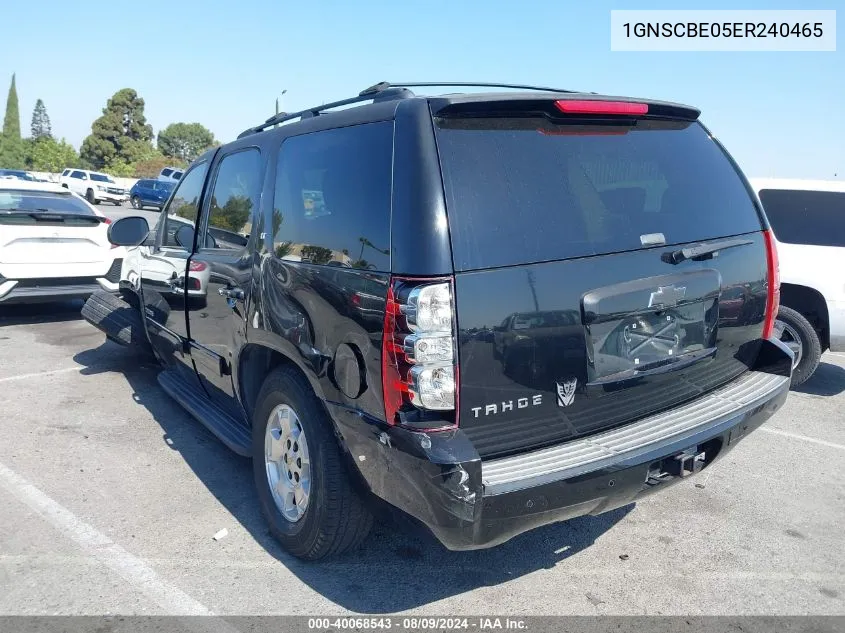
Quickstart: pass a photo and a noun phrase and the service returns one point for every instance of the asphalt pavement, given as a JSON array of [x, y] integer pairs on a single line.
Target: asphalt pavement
[[110, 496]]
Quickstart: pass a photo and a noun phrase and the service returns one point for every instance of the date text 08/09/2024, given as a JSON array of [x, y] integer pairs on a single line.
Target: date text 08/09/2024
[[417, 623]]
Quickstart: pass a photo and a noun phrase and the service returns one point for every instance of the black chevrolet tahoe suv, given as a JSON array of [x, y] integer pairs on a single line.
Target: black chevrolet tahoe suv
[[492, 310]]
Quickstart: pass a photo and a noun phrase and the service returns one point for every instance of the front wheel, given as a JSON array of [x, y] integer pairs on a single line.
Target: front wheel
[[136, 202], [301, 475], [794, 330]]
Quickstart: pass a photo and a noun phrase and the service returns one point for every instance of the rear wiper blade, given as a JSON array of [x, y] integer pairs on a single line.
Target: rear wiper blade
[[702, 251], [48, 214]]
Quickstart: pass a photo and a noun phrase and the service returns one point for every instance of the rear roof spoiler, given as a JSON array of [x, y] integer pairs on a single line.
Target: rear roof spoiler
[[534, 104]]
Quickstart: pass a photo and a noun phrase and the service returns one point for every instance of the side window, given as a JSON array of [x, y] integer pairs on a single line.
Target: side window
[[806, 217], [182, 210], [333, 196], [77, 174], [177, 175], [166, 172], [65, 172], [234, 200]]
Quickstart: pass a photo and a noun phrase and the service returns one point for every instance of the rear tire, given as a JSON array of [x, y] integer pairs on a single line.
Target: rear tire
[[90, 197], [335, 518], [792, 328], [119, 320]]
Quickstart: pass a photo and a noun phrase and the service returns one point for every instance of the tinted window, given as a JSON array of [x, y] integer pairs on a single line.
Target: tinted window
[[166, 172], [65, 172], [332, 200], [100, 177], [183, 205], [77, 174], [235, 198], [177, 175], [524, 190], [806, 217], [38, 200]]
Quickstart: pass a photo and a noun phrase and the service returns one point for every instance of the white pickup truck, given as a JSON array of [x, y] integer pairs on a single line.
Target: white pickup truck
[[808, 218], [93, 186]]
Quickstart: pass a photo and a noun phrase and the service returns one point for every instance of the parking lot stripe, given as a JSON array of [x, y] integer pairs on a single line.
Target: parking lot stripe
[[131, 568], [41, 373], [796, 436]]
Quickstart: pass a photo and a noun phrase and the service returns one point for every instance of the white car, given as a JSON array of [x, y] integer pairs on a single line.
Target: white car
[[159, 264], [53, 245], [171, 174], [93, 186], [808, 219]]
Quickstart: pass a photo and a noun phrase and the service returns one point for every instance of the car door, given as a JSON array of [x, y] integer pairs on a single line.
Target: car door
[[159, 192], [166, 280], [78, 182], [225, 263]]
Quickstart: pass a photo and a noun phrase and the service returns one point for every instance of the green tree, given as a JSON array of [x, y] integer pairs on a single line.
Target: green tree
[[48, 154], [316, 254], [12, 152], [233, 215], [121, 137], [12, 120], [40, 121], [185, 141]]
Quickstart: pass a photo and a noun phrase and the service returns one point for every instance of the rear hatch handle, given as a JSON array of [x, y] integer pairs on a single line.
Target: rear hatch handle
[[702, 251]]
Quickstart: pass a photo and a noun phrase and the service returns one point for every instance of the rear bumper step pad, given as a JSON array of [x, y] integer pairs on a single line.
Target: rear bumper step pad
[[637, 440]]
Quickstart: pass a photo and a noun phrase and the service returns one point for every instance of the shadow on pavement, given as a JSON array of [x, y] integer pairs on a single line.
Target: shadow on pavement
[[395, 569], [52, 312], [828, 380]]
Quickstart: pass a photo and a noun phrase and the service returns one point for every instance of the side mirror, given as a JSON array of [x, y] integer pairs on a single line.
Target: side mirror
[[185, 237], [130, 231]]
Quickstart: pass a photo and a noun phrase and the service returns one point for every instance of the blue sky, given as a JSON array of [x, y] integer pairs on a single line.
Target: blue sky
[[779, 114]]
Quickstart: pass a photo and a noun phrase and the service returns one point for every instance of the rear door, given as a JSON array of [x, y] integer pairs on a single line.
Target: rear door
[[219, 271], [567, 236]]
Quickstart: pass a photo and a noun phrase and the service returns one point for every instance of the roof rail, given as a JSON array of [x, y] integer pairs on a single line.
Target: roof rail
[[386, 94], [386, 85]]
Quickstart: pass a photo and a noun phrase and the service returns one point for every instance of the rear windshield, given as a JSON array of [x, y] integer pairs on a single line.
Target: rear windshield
[[522, 190], [806, 217], [47, 202]]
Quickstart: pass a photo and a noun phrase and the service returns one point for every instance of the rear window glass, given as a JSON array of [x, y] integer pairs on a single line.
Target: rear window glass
[[42, 201], [333, 196], [523, 190], [806, 217]]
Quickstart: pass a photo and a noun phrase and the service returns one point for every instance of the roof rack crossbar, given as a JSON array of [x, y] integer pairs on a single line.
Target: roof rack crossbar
[[385, 85], [379, 95]]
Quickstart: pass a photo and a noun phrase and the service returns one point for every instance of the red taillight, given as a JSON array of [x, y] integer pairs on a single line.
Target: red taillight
[[772, 284], [106, 221], [419, 355], [196, 266], [355, 299], [601, 107]]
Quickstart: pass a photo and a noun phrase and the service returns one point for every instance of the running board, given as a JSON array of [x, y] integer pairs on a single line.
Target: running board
[[228, 430]]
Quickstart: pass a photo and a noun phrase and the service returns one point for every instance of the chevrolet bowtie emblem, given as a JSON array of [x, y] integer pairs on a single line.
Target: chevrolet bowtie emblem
[[666, 297]]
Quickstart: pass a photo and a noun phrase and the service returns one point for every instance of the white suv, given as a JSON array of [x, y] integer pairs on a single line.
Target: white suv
[[93, 186], [808, 219], [171, 174]]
